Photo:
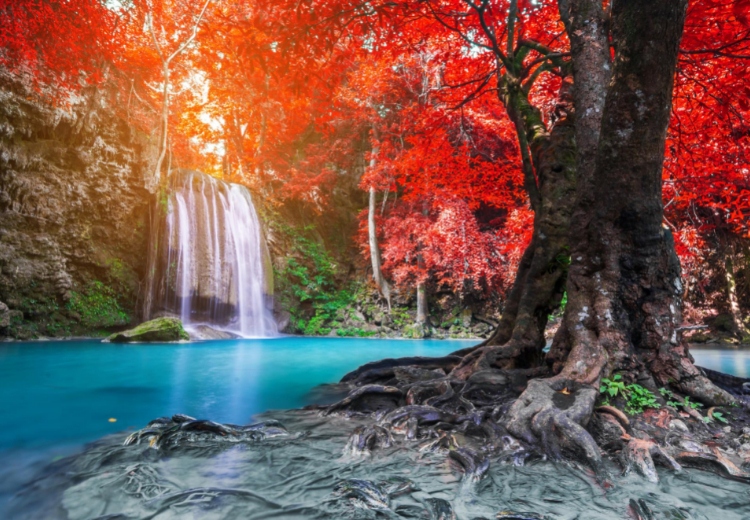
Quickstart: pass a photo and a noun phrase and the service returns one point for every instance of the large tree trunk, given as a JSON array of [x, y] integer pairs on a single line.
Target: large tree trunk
[[624, 289], [539, 285]]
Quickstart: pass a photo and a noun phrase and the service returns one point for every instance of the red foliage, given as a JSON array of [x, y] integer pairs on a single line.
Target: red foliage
[[291, 97], [56, 43]]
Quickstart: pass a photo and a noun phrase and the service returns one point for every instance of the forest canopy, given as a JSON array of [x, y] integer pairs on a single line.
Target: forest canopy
[[411, 100]]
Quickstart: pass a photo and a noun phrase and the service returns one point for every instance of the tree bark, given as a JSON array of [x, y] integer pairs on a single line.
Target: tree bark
[[624, 288], [421, 303], [539, 285], [739, 329], [372, 234]]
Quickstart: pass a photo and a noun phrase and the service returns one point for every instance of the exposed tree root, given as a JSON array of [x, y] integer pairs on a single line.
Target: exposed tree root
[[552, 414], [488, 412], [715, 462], [639, 454]]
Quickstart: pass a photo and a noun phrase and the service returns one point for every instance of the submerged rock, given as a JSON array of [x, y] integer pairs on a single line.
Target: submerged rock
[[158, 330]]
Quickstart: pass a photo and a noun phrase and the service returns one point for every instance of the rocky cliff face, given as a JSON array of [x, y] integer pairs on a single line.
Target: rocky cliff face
[[74, 213]]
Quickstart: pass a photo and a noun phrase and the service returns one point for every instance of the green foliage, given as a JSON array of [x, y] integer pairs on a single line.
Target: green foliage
[[308, 280], [315, 326], [637, 398], [354, 332], [613, 387], [674, 401], [98, 307], [400, 316], [163, 200]]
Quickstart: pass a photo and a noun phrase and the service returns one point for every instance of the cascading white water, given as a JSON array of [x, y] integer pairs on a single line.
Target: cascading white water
[[216, 269]]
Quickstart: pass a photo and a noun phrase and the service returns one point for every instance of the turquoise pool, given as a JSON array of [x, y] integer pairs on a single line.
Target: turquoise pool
[[65, 392], [57, 396]]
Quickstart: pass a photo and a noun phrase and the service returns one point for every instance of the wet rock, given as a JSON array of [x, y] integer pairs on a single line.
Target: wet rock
[[283, 318], [416, 331], [473, 464], [511, 515], [204, 332], [385, 368], [7, 316], [154, 331], [406, 375], [183, 431], [368, 399], [396, 486]]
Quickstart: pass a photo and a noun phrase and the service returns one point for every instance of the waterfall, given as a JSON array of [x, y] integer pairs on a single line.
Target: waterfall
[[211, 265]]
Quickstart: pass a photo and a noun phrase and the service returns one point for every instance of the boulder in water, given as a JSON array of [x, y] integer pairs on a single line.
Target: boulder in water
[[154, 331], [204, 332]]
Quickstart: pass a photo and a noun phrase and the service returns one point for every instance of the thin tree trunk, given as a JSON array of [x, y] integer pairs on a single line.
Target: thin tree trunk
[[372, 234], [166, 61], [422, 312], [739, 329]]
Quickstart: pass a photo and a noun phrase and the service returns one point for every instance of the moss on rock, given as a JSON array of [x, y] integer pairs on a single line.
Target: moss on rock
[[157, 330]]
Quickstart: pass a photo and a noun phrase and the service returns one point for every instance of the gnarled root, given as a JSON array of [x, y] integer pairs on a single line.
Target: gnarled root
[[365, 438], [640, 454], [552, 414], [509, 356], [704, 390], [368, 399], [714, 462], [472, 464]]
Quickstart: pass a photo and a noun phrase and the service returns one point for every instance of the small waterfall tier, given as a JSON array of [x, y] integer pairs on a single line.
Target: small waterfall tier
[[211, 264]]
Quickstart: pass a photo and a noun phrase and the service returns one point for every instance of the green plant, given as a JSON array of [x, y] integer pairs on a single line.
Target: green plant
[[97, 306], [637, 398], [400, 316], [640, 398], [315, 327], [674, 401], [613, 387], [354, 332], [306, 284]]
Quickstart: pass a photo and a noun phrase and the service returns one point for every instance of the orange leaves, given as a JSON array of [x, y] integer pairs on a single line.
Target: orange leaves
[[60, 43]]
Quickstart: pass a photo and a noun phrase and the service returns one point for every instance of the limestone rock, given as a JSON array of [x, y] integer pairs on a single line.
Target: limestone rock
[[154, 331], [74, 206], [204, 332], [466, 317], [4, 315], [416, 331]]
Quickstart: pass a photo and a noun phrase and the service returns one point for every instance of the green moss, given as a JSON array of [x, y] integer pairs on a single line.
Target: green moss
[[97, 307], [415, 331], [157, 330]]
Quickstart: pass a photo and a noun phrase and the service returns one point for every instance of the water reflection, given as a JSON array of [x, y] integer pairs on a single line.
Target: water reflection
[[735, 362]]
